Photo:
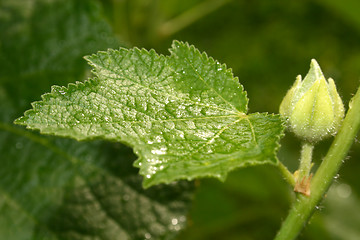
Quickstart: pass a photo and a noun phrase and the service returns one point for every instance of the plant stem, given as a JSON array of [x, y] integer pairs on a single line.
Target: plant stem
[[192, 15], [304, 168], [304, 206], [305, 161], [289, 177]]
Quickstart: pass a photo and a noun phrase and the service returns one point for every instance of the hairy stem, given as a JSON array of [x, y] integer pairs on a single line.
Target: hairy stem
[[303, 178], [288, 176], [303, 208], [305, 161]]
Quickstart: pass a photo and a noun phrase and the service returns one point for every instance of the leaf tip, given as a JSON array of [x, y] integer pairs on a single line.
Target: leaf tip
[[21, 120], [222, 177], [176, 43]]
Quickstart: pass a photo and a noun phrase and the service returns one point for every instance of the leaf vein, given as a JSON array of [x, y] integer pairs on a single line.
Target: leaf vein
[[203, 80], [126, 77]]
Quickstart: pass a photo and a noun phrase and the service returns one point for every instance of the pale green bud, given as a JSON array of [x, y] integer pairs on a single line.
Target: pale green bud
[[313, 107]]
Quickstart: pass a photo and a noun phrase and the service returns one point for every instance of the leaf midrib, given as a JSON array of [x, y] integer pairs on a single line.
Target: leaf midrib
[[242, 116]]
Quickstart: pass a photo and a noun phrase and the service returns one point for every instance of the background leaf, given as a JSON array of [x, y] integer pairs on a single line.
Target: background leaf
[[73, 190], [46, 42], [184, 115], [59, 188]]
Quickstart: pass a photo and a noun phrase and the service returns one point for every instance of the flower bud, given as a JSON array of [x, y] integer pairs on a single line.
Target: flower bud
[[313, 107]]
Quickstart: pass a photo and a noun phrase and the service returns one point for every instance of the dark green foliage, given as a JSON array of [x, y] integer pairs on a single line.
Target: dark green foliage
[[266, 43]]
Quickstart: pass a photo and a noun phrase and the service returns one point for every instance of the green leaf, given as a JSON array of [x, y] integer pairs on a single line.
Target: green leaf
[[184, 114]]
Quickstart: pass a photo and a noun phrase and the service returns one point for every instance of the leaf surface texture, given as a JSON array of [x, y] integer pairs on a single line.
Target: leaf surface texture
[[184, 114]]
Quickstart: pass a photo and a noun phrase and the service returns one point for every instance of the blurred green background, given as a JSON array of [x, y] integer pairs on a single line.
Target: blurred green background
[[266, 43]]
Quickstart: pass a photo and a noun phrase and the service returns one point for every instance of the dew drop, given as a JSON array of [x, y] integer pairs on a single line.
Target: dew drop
[[160, 151], [319, 208]]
